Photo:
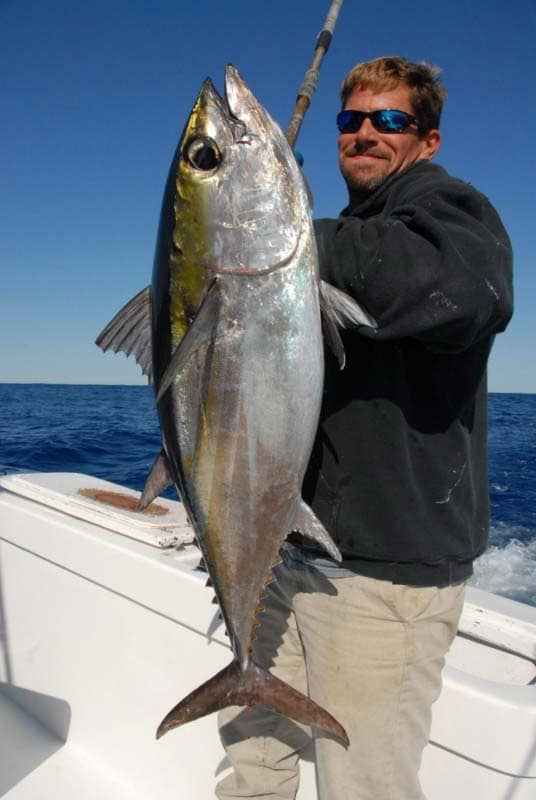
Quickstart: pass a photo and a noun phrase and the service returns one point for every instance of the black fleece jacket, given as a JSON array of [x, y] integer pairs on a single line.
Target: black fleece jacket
[[398, 473]]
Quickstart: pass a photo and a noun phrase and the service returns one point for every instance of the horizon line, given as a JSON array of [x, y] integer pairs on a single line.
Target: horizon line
[[148, 385]]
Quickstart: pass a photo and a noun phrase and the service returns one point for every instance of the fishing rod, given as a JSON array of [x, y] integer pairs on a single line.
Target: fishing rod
[[307, 89]]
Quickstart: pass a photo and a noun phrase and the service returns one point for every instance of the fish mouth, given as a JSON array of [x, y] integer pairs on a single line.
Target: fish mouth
[[237, 111], [243, 117], [236, 92]]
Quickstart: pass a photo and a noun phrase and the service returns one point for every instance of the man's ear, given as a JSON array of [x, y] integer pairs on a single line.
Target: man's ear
[[431, 142]]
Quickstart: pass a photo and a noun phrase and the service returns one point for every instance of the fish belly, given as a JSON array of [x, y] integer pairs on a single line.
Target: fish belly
[[246, 411]]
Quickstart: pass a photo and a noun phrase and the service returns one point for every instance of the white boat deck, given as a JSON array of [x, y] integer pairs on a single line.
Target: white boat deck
[[35, 763], [104, 626]]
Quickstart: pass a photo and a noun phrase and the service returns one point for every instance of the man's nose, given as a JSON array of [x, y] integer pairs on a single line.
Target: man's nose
[[367, 132]]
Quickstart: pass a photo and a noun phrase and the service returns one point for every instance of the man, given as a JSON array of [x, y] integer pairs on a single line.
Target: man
[[398, 473]]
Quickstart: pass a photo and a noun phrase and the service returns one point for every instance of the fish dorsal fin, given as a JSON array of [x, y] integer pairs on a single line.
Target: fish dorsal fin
[[129, 332], [307, 523], [159, 478], [339, 310]]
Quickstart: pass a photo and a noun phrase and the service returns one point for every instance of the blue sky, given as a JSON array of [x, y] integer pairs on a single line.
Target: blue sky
[[93, 100]]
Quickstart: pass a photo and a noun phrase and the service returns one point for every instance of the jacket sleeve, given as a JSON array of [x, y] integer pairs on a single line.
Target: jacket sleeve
[[438, 269]]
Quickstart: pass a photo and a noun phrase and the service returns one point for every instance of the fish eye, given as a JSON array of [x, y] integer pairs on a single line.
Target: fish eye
[[202, 153]]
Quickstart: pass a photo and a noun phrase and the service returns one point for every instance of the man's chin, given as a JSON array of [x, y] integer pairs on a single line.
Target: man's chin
[[360, 181], [363, 184]]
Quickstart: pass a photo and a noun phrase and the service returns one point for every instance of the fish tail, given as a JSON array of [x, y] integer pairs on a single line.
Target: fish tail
[[251, 686]]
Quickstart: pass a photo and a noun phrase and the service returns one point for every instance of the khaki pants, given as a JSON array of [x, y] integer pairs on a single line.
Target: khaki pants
[[371, 653]]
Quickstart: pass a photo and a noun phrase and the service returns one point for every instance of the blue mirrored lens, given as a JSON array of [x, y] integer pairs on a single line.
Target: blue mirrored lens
[[391, 121], [350, 121]]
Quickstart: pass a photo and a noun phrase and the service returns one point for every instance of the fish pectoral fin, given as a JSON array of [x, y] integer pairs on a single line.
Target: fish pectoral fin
[[309, 525], [158, 479], [129, 332], [333, 338], [251, 686], [344, 309], [198, 334], [339, 310]]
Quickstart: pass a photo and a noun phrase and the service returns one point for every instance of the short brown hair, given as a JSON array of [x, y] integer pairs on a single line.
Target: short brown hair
[[426, 91]]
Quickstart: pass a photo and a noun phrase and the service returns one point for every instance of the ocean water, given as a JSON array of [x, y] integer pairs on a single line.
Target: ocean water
[[112, 432]]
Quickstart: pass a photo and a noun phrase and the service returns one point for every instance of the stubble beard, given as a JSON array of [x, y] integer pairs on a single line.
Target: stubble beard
[[362, 184]]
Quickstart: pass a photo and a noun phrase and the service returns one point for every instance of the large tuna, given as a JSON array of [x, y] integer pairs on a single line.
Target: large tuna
[[237, 365]]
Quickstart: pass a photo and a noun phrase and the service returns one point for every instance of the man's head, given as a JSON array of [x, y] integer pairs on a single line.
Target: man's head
[[368, 155]]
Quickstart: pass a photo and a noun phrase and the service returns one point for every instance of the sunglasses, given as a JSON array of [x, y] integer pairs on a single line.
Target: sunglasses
[[386, 120]]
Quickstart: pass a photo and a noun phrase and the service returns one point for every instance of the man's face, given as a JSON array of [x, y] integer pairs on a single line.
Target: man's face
[[367, 157]]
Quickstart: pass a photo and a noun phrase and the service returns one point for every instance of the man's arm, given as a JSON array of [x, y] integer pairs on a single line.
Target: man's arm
[[437, 269]]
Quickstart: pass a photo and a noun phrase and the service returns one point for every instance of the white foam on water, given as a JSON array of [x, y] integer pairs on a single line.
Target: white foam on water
[[509, 567]]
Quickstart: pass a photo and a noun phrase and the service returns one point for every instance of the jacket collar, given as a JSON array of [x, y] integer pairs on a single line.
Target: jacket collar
[[358, 206]]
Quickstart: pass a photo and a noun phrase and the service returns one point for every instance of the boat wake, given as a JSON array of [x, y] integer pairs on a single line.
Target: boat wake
[[508, 567]]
